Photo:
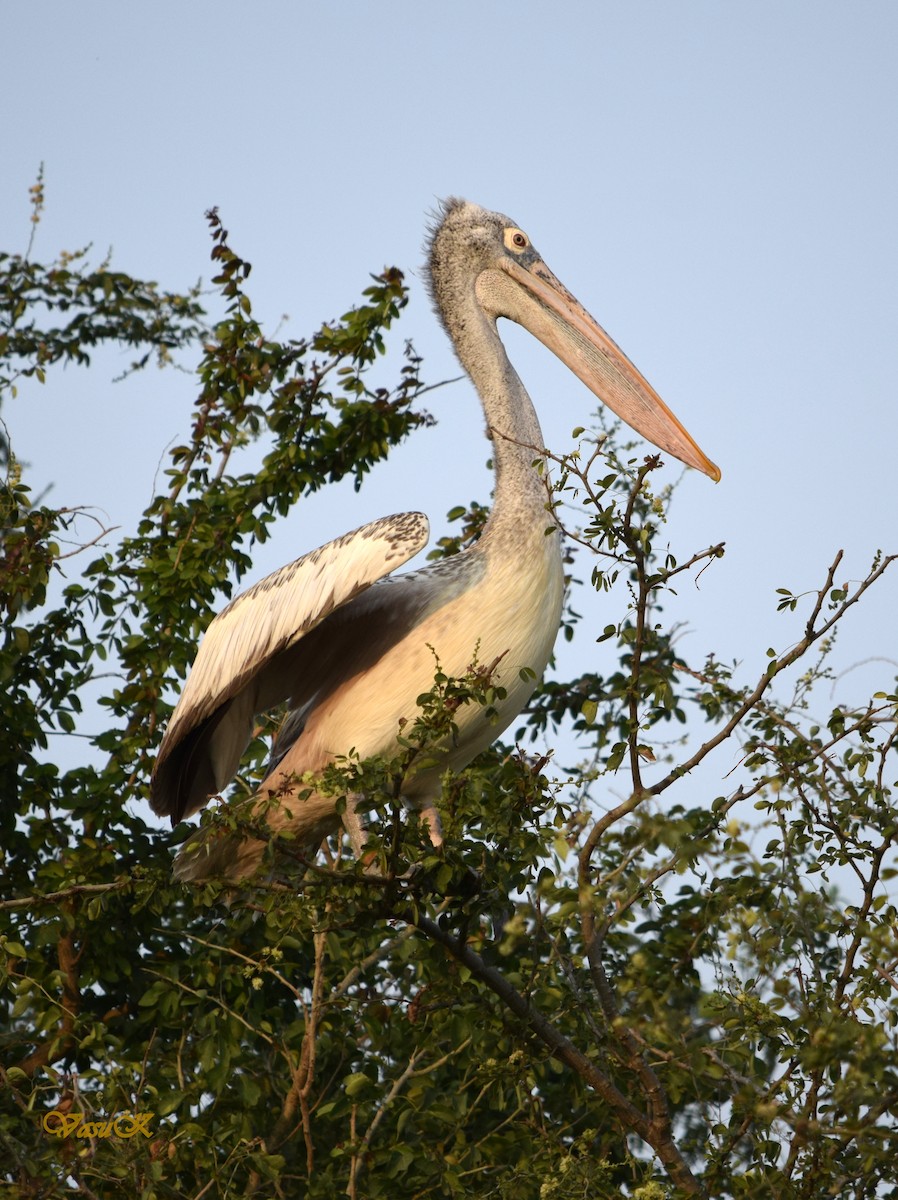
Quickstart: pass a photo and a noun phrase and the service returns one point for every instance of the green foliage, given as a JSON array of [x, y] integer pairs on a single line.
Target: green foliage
[[59, 313], [587, 992]]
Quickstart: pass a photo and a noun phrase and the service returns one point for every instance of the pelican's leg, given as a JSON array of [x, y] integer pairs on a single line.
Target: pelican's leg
[[428, 812], [352, 823]]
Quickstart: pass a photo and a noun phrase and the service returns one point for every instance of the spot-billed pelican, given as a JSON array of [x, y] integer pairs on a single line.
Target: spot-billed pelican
[[351, 650]]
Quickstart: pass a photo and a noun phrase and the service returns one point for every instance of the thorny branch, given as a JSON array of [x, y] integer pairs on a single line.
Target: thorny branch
[[653, 1127], [629, 1048]]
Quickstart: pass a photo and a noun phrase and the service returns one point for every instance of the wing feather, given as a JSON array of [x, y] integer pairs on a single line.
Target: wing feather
[[261, 623]]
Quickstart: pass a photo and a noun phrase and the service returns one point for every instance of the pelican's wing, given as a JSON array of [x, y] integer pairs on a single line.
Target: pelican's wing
[[228, 683]]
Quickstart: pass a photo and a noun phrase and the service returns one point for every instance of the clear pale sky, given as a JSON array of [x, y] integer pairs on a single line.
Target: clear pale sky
[[715, 182]]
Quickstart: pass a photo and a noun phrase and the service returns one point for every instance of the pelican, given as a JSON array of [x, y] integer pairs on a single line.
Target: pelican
[[349, 647]]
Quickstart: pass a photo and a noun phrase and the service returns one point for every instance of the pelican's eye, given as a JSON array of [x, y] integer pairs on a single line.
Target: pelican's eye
[[515, 239]]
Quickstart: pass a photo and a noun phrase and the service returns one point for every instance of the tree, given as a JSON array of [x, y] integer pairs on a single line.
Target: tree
[[586, 993]]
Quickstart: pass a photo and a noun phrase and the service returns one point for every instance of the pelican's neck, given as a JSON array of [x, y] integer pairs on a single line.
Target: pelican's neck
[[519, 503]]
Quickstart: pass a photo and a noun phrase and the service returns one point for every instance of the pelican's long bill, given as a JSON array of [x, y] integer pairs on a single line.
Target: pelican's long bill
[[563, 325]]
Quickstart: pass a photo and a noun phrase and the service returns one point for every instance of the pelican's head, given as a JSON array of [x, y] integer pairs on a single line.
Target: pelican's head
[[475, 251]]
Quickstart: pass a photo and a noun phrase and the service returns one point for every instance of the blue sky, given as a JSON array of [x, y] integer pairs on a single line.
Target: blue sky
[[715, 182]]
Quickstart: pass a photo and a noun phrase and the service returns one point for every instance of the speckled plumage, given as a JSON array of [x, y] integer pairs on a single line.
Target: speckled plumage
[[351, 650]]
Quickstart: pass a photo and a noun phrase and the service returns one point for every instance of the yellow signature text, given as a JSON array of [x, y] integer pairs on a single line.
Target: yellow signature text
[[75, 1124]]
